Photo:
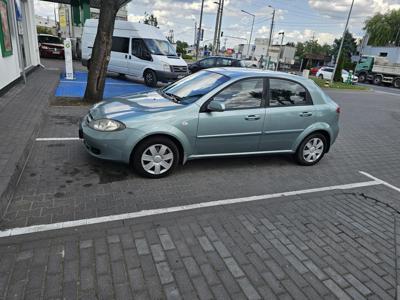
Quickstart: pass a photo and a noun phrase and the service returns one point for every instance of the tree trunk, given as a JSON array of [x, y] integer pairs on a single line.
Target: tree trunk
[[101, 51]]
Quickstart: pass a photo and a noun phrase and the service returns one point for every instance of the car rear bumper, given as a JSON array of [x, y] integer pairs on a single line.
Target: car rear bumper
[[51, 53]]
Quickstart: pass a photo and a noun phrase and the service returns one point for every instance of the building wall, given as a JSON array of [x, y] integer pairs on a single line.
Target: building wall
[[27, 36]]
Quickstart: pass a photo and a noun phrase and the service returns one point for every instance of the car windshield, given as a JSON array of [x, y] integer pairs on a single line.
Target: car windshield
[[49, 39], [159, 47], [191, 88]]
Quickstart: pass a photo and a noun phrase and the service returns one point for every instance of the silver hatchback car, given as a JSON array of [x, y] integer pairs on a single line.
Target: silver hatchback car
[[215, 112]]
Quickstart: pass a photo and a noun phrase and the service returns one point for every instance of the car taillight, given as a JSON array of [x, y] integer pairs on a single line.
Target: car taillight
[[338, 109]]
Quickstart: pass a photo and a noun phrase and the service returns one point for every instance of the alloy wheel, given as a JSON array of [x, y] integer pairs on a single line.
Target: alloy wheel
[[313, 150], [157, 159]]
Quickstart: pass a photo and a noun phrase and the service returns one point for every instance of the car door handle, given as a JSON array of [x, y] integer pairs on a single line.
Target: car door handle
[[252, 117], [306, 114]]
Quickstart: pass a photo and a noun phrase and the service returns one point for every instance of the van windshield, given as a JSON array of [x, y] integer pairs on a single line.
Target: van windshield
[[160, 47], [192, 87], [49, 39]]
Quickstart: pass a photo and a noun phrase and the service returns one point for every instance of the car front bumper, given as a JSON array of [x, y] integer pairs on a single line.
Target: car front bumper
[[165, 76], [116, 145]]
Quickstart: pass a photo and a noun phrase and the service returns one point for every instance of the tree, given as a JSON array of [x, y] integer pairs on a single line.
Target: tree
[[384, 29], [101, 50], [181, 47], [44, 30], [349, 45], [150, 20], [337, 77], [299, 50]]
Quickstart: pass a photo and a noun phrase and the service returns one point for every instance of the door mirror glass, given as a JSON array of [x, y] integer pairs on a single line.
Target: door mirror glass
[[216, 106]]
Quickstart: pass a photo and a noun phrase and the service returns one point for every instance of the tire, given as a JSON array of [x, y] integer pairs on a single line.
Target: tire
[[396, 83], [121, 75], [155, 157], [150, 78], [315, 144], [320, 76], [362, 77], [377, 79], [88, 64]]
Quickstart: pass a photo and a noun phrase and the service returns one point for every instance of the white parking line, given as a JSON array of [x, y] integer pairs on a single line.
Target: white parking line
[[381, 181], [152, 212], [57, 139]]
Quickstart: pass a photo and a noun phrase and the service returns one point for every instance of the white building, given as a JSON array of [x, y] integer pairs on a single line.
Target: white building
[[45, 22], [18, 46]]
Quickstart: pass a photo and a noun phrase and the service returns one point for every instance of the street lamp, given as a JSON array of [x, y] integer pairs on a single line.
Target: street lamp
[[251, 32], [280, 49], [199, 31]]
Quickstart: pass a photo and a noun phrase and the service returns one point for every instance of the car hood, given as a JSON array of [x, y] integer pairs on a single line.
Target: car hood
[[134, 105]]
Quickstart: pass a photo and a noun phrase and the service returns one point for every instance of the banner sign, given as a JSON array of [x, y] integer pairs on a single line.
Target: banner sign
[[69, 71]]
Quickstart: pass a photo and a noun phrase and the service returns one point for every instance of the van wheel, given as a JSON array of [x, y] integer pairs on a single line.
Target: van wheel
[[311, 150], [88, 64], [155, 157], [396, 83], [150, 78]]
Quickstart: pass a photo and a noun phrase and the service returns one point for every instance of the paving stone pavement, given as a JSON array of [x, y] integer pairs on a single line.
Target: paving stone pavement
[[332, 245], [21, 109]]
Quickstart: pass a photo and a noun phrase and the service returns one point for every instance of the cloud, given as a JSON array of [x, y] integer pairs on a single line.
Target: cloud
[[44, 9]]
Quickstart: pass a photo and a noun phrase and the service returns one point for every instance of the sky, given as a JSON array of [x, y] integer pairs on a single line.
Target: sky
[[300, 20]]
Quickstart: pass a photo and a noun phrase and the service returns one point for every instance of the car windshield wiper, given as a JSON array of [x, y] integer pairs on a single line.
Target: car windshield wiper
[[175, 97]]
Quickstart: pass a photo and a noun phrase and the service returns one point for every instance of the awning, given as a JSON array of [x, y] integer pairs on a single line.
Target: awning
[[93, 3]]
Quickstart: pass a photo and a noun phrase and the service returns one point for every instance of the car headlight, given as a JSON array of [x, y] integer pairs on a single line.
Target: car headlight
[[166, 68], [106, 125]]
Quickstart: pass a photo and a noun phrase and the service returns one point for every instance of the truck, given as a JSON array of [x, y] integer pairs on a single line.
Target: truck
[[377, 70]]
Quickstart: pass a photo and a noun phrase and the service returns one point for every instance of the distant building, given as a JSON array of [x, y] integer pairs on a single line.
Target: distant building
[[391, 53], [47, 23], [122, 14]]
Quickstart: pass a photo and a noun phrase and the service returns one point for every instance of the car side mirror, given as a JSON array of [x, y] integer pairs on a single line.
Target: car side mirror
[[216, 106]]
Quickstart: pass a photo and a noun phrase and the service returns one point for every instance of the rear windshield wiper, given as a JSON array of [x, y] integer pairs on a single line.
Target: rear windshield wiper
[[174, 97]]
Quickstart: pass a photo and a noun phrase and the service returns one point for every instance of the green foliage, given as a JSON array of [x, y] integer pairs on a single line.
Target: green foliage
[[44, 30], [312, 47], [338, 74], [338, 85], [181, 47], [384, 29], [349, 45], [150, 20]]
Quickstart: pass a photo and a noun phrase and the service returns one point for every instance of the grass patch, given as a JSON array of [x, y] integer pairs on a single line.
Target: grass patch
[[338, 85]]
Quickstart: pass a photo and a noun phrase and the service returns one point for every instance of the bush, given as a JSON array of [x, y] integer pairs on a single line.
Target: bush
[[338, 74], [185, 56]]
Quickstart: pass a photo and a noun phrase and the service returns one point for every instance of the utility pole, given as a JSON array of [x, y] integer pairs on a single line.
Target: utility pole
[[198, 33], [270, 35], [280, 50], [195, 33], [251, 32], [220, 25], [341, 44], [216, 27]]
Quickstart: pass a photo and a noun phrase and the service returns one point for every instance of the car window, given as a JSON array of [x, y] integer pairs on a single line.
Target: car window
[[139, 49], [192, 87], [49, 39], [243, 94], [286, 93], [224, 62], [207, 63], [120, 44]]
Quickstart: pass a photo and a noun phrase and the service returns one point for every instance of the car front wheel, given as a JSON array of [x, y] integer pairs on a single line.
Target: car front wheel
[[321, 76], [311, 150], [150, 78], [155, 157]]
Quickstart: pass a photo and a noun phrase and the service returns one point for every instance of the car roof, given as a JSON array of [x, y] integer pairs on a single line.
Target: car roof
[[214, 56], [233, 72]]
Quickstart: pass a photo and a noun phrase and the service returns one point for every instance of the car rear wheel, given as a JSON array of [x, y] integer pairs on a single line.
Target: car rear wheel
[[311, 149], [155, 157], [321, 76], [150, 78]]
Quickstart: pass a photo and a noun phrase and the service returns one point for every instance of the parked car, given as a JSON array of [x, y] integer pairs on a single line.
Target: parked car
[[314, 70], [326, 73], [215, 61], [215, 112], [138, 50], [50, 46]]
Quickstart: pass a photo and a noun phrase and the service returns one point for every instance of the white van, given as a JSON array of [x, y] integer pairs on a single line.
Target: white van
[[138, 50]]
